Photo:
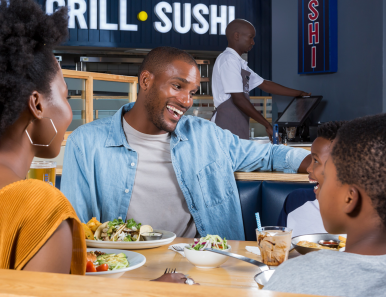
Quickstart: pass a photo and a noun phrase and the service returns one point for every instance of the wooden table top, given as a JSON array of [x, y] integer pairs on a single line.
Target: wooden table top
[[232, 274], [233, 279], [24, 283]]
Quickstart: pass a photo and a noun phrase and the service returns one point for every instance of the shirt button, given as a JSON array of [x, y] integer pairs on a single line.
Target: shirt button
[[127, 191], [132, 164]]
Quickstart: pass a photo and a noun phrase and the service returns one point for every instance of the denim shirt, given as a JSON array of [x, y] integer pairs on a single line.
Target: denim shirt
[[100, 166]]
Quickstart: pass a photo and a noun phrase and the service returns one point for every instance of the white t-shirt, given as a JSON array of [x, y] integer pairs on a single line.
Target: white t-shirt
[[226, 77], [157, 199], [306, 219]]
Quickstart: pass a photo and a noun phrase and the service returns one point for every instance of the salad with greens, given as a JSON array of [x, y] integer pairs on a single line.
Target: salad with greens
[[115, 261], [98, 261], [209, 241]]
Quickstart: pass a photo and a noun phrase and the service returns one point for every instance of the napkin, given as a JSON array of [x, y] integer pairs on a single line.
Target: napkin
[[181, 245], [253, 249]]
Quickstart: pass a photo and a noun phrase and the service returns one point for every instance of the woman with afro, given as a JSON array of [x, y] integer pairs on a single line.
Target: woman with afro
[[39, 229]]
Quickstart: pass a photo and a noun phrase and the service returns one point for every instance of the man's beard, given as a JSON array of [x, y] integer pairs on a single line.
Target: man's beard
[[156, 116]]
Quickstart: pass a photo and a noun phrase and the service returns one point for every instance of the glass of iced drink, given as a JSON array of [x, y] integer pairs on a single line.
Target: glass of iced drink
[[43, 170], [274, 243]]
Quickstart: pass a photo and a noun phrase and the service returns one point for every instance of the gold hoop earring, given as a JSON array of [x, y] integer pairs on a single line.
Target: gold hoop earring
[[45, 145]]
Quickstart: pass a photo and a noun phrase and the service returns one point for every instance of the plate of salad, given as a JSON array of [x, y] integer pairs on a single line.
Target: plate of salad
[[112, 263], [120, 234]]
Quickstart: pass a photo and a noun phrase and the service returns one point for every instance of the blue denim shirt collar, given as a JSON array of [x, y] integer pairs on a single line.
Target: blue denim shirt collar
[[117, 137]]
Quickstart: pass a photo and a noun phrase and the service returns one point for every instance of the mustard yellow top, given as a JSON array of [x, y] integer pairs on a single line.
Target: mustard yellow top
[[30, 212]]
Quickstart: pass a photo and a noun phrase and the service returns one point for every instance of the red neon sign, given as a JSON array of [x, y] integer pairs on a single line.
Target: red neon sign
[[313, 29], [313, 16]]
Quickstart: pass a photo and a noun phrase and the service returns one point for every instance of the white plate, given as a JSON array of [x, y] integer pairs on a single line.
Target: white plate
[[167, 238], [136, 260]]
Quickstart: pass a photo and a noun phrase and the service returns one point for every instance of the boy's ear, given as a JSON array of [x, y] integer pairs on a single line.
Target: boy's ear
[[353, 201]]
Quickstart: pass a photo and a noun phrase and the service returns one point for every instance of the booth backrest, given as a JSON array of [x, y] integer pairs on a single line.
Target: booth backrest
[[265, 197]]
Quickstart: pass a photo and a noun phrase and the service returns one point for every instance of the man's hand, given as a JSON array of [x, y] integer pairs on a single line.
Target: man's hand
[[269, 131], [178, 278], [302, 94], [246, 106], [304, 165]]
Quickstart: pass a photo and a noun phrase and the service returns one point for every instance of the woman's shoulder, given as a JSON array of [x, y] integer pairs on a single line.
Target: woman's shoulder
[[31, 189]]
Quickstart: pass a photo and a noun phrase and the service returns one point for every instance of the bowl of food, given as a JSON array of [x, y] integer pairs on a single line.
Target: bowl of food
[[195, 254], [112, 263], [315, 242]]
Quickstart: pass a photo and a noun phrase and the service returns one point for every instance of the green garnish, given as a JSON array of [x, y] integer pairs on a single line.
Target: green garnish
[[131, 223]]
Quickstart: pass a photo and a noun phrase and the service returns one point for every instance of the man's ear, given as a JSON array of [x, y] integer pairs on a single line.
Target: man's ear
[[353, 201], [35, 105], [146, 80], [236, 36]]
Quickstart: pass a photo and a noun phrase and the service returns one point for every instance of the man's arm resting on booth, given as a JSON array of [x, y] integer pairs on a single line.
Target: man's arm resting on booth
[[247, 156], [246, 107]]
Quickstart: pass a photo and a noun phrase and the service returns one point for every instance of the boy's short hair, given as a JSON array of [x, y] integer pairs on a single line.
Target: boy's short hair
[[360, 158], [330, 129]]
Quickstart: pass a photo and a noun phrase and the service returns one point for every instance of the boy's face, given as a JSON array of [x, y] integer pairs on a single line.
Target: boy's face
[[320, 151], [331, 199]]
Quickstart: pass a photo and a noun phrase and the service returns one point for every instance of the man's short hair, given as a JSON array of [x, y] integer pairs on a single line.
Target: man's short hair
[[360, 158], [157, 59], [329, 130], [237, 25]]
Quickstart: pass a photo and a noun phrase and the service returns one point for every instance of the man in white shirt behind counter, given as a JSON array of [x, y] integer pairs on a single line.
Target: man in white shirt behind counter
[[232, 81]]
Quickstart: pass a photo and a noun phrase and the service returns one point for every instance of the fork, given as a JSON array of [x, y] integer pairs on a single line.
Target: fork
[[170, 270], [178, 248]]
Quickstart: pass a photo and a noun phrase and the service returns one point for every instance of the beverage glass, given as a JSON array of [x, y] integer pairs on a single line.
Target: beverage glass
[[274, 243], [43, 170]]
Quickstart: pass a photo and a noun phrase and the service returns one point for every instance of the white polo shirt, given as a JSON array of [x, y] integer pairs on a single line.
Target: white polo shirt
[[226, 77]]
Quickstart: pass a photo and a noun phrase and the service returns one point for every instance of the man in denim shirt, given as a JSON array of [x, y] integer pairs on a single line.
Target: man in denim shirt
[[121, 161]]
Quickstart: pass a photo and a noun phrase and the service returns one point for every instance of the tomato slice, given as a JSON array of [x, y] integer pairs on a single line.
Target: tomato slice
[[90, 267], [103, 267]]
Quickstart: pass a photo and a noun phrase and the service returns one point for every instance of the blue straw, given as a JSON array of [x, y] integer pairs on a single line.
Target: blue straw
[[258, 222]]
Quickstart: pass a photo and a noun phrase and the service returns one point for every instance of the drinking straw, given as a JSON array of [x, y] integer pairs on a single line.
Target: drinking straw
[[258, 222]]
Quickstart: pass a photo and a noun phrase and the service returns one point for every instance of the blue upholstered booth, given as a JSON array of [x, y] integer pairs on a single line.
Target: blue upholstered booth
[[265, 197]]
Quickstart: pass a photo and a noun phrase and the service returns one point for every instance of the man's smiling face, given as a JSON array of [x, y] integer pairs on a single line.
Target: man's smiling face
[[171, 94]]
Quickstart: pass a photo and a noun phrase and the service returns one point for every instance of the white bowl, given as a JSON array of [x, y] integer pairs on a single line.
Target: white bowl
[[205, 259], [136, 260]]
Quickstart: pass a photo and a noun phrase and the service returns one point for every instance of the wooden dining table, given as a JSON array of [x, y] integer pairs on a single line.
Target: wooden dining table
[[234, 278], [233, 273]]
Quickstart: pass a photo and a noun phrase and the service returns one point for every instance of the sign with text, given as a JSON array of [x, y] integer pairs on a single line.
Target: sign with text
[[318, 36], [181, 17]]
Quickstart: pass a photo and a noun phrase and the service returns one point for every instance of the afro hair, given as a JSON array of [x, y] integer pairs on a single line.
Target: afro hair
[[27, 64]]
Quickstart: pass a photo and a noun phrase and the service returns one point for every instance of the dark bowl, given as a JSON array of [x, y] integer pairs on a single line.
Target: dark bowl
[[312, 238]]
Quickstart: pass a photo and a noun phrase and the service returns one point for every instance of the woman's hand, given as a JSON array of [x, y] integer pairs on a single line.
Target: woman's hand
[[178, 278]]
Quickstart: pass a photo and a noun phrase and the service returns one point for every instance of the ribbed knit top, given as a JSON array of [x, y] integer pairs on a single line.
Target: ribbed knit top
[[30, 212]]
